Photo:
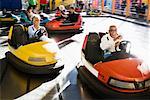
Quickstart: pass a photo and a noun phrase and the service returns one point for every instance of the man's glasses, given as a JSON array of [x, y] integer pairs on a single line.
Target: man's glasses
[[111, 30]]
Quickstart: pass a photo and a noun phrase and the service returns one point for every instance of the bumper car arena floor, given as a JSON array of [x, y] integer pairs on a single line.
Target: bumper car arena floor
[[18, 85]]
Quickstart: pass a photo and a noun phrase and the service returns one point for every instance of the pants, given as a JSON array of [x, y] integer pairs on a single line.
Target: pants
[[43, 7], [106, 54]]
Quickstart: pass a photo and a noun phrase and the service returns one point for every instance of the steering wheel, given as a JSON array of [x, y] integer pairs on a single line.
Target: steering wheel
[[40, 32], [125, 46]]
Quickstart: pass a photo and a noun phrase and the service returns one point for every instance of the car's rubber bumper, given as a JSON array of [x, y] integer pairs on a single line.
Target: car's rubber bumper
[[102, 91], [31, 69]]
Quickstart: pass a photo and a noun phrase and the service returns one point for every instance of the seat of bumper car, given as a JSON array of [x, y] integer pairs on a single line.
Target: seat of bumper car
[[19, 36], [67, 22], [93, 52]]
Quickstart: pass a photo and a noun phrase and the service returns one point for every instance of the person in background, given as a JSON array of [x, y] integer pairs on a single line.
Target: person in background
[[44, 16], [60, 12], [36, 10], [143, 8], [111, 41], [123, 6], [81, 4], [72, 16], [137, 9], [30, 13], [43, 4], [62, 8], [32, 3]]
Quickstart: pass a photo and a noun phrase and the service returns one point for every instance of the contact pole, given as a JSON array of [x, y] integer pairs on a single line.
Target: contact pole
[[148, 11], [102, 4], [113, 6], [128, 8]]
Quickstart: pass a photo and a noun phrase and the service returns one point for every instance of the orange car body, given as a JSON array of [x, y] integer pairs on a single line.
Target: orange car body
[[114, 76], [58, 25], [124, 70]]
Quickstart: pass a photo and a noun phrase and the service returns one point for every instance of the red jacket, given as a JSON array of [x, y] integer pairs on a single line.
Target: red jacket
[[44, 1]]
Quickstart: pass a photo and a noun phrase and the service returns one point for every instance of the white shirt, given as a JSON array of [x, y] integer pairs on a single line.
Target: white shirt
[[107, 43], [32, 30]]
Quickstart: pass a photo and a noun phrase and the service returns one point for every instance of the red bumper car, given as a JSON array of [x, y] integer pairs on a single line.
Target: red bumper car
[[61, 26], [115, 76]]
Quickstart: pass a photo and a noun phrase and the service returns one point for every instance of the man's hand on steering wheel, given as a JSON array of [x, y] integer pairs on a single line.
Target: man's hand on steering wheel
[[44, 32], [119, 37], [117, 43], [40, 32]]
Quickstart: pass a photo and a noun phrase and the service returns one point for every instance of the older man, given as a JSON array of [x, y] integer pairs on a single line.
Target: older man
[[110, 42]]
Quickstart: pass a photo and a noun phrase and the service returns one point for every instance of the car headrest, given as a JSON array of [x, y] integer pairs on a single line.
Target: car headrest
[[93, 35], [18, 28], [19, 36], [93, 52]]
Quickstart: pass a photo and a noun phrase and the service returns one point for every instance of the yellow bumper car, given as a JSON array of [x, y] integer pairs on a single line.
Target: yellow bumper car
[[32, 56]]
